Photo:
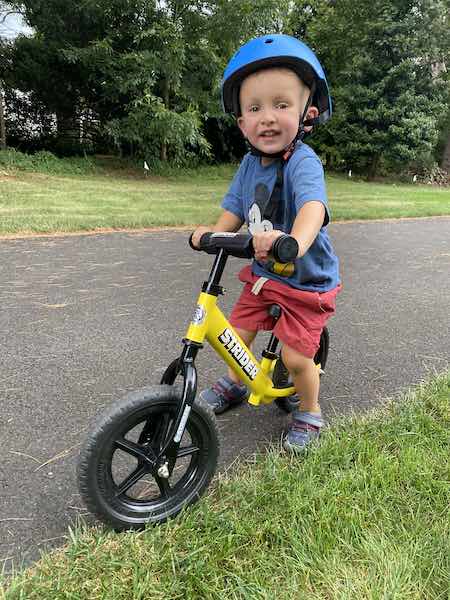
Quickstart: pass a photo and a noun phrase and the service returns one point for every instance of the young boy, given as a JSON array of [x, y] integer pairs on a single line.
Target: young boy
[[277, 89]]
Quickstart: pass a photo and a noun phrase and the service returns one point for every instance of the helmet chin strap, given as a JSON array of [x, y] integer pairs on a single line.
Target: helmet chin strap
[[286, 152], [281, 154]]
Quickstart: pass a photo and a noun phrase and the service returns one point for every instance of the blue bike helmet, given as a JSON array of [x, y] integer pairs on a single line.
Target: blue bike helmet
[[276, 50]]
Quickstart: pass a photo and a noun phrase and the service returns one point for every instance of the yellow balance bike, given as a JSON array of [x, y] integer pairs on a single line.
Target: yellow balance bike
[[156, 450]]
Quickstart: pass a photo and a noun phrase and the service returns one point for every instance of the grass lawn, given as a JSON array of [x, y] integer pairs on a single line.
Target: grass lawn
[[45, 203], [364, 515]]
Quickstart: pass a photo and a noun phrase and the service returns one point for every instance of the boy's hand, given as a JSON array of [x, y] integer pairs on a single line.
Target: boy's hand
[[198, 234], [263, 242]]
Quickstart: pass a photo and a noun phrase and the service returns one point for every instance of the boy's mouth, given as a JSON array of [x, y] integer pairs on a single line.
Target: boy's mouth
[[269, 133]]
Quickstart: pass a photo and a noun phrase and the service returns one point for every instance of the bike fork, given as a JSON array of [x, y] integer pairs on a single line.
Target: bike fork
[[185, 365]]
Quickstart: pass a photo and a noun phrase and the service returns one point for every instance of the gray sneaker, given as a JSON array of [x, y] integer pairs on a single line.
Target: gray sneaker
[[304, 428], [224, 394]]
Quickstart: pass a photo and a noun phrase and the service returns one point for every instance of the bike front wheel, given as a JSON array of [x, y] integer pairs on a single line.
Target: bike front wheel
[[117, 477]]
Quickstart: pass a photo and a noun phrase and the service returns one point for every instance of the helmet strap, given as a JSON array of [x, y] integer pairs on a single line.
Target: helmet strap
[[304, 121], [283, 154]]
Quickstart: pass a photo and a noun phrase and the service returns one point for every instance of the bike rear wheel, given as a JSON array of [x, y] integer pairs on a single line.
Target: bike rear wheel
[[117, 477]]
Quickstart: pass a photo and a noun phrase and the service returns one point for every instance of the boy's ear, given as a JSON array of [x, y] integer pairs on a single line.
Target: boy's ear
[[312, 113], [241, 125]]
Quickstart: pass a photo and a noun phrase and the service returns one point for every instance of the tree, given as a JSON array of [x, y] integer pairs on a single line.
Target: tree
[[5, 11], [184, 48], [443, 154], [124, 62], [40, 68], [2, 110], [380, 58], [149, 71]]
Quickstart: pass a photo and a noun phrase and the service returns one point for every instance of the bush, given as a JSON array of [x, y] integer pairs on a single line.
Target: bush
[[45, 162]]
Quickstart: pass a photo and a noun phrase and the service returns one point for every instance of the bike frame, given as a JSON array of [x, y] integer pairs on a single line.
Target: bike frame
[[210, 324]]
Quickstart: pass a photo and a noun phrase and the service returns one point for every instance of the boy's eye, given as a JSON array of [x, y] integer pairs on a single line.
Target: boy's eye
[[253, 108], [282, 105]]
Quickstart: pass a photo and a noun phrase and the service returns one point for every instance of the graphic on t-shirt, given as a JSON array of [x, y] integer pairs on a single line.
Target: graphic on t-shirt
[[255, 222], [258, 225]]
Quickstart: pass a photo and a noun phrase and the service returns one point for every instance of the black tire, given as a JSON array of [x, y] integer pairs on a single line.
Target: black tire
[[141, 420], [281, 375]]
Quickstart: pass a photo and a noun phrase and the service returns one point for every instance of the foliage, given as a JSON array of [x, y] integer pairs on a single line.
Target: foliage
[[142, 77], [29, 124], [382, 60], [150, 124], [148, 71], [45, 162], [443, 145]]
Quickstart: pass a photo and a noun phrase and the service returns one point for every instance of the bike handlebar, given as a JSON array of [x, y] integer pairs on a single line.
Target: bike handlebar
[[284, 249]]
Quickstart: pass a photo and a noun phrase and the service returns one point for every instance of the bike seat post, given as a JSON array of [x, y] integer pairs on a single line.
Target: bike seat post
[[271, 350]]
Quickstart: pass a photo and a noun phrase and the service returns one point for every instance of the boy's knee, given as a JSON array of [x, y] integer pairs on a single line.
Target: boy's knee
[[295, 362], [247, 336]]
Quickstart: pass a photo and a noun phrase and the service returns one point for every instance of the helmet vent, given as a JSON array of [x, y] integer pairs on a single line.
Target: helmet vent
[[268, 41]]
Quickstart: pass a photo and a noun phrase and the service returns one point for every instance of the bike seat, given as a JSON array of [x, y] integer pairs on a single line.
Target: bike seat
[[275, 311]]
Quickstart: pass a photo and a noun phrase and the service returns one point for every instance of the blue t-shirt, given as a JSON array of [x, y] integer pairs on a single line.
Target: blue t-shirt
[[303, 181]]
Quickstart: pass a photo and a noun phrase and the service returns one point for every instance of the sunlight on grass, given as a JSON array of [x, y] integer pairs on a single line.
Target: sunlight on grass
[[32, 202]]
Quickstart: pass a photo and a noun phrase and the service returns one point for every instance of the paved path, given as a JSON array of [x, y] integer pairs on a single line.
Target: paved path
[[85, 319]]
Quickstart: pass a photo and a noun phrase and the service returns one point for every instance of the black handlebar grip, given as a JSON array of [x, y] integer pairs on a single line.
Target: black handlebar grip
[[203, 242], [285, 249]]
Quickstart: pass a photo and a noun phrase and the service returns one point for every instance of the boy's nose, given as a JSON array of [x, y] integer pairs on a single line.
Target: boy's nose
[[267, 116]]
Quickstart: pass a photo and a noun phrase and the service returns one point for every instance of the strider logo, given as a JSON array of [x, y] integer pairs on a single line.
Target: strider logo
[[229, 340]]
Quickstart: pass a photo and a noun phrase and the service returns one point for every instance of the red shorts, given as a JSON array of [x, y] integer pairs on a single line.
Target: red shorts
[[303, 315]]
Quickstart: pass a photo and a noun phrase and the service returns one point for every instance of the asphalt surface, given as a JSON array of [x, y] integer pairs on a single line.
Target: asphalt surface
[[85, 319]]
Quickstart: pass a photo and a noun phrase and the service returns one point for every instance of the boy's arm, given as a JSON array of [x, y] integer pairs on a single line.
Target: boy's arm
[[227, 221], [307, 224]]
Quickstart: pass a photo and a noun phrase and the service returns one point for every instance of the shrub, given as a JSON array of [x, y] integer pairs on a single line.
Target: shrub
[[46, 162]]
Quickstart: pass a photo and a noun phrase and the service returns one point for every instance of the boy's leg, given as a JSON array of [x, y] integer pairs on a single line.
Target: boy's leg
[[228, 391], [307, 419], [305, 377]]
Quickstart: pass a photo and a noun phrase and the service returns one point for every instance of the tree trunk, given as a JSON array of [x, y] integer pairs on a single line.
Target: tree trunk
[[445, 165], [2, 121], [69, 133], [373, 168], [165, 96]]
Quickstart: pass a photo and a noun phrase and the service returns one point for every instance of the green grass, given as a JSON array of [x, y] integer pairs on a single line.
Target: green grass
[[353, 200], [73, 195], [363, 516], [49, 203]]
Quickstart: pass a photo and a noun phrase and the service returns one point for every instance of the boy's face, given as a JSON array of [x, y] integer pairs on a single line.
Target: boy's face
[[272, 103]]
